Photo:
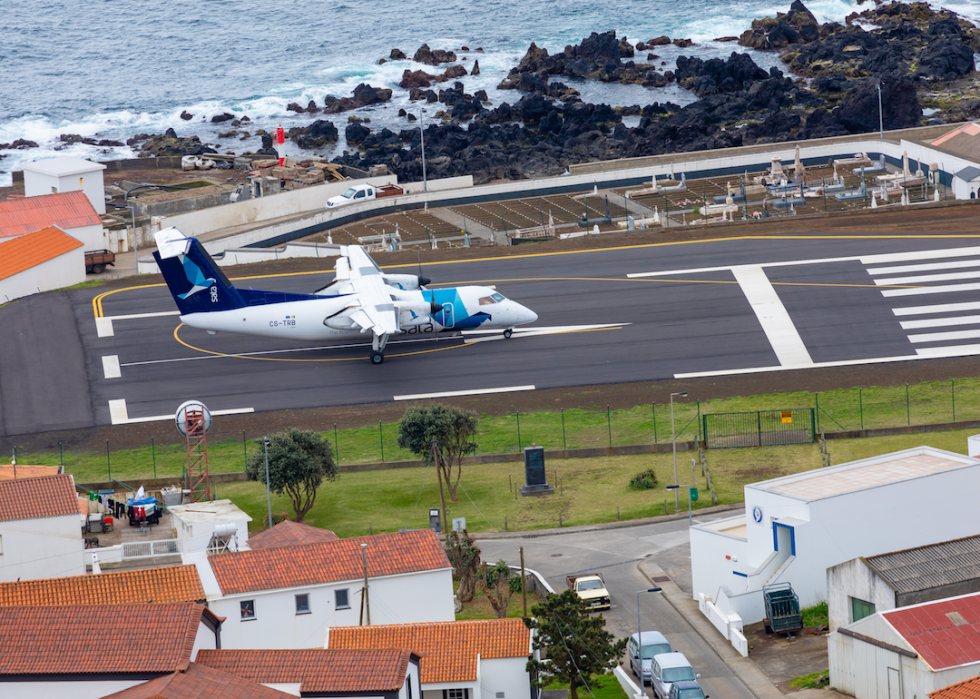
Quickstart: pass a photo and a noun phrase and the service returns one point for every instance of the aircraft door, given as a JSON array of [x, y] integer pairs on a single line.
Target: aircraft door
[[445, 316]]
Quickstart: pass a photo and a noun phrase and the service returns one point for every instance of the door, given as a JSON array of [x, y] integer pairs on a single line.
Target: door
[[446, 316], [894, 684]]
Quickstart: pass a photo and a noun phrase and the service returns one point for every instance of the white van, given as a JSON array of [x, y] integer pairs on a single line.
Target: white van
[[668, 668]]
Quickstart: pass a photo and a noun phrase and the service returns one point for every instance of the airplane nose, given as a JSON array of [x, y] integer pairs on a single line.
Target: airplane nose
[[526, 315]]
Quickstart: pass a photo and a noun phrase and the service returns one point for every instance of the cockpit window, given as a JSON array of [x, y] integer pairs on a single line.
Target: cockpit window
[[487, 300], [498, 297]]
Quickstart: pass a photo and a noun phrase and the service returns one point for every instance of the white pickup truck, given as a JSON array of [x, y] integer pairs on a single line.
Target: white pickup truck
[[363, 192], [591, 589]]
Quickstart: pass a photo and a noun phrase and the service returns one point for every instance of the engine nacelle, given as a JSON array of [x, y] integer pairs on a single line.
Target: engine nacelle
[[405, 282]]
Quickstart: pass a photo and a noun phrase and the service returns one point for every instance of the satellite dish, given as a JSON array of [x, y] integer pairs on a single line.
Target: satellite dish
[[180, 418]]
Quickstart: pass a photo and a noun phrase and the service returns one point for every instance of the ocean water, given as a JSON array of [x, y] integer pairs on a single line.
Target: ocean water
[[109, 69]]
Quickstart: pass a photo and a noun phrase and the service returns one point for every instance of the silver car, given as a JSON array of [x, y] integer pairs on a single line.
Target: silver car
[[668, 668], [652, 643]]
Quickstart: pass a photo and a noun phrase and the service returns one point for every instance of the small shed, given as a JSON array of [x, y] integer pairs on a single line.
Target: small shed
[[966, 182], [862, 586], [40, 261], [196, 523], [909, 652], [66, 174]]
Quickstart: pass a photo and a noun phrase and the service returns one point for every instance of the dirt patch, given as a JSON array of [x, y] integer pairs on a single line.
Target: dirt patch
[[782, 659]]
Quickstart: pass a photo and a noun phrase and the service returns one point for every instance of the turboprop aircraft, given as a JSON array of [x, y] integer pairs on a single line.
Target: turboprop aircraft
[[361, 299]]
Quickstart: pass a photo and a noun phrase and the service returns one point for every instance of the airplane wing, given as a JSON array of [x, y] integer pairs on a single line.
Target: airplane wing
[[375, 311]]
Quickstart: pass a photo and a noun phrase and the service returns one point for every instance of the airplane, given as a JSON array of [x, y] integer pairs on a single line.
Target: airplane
[[361, 299]]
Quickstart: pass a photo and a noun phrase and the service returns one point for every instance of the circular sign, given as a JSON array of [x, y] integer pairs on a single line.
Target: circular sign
[[180, 417], [757, 514]]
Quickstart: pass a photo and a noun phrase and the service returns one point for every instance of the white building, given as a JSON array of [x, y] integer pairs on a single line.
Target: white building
[[862, 586], [197, 523], [480, 659], [797, 526], [40, 529], [71, 212], [66, 174], [41, 261], [389, 673], [199, 681], [286, 597], [89, 651], [907, 653]]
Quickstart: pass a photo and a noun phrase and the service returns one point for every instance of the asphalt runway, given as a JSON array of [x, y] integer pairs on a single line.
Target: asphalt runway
[[703, 308]]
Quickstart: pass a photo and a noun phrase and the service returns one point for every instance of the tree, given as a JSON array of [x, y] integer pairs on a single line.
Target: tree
[[499, 584], [577, 645], [299, 461], [464, 556], [451, 428]]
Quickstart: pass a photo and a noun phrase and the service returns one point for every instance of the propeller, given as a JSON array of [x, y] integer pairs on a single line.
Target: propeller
[[423, 280], [434, 307]]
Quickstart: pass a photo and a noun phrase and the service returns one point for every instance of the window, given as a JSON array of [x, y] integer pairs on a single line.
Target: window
[[861, 609], [248, 609], [303, 604], [54, 190], [455, 694], [342, 599], [408, 683], [676, 674]]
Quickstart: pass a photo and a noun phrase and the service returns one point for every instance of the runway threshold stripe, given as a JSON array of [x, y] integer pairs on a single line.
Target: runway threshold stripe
[[945, 337], [929, 267], [474, 392], [773, 316], [925, 278], [103, 326], [110, 366], [944, 289], [937, 308], [939, 322]]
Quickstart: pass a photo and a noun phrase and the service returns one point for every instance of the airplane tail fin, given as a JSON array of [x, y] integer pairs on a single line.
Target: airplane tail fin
[[196, 282]]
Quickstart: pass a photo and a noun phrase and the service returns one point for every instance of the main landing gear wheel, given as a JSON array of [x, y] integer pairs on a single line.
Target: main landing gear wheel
[[508, 332], [377, 357]]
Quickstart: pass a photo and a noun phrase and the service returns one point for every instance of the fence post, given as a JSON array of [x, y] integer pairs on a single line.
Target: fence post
[[108, 461], [336, 444], [653, 406], [519, 444], [62, 450], [861, 406], [952, 394], [564, 445], [153, 449], [908, 410], [381, 434], [699, 420], [816, 399], [609, 425]]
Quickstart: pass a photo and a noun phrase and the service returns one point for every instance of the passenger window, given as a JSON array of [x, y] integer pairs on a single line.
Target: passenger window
[[359, 195]]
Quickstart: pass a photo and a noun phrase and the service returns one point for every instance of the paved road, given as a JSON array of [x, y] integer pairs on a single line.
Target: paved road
[[616, 554], [724, 306]]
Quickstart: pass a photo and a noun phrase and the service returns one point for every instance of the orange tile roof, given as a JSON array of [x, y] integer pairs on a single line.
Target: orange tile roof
[[146, 585], [65, 210], [331, 561], [199, 682], [43, 496], [19, 254], [289, 533], [448, 648], [93, 639], [967, 689], [9, 472], [316, 669]]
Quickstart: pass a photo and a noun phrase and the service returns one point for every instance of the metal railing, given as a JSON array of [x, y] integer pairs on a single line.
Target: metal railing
[[150, 549]]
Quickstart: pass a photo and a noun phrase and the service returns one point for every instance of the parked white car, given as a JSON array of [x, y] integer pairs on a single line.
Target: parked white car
[[363, 192], [653, 643], [668, 668]]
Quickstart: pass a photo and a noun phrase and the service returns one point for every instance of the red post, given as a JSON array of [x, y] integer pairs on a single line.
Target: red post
[[198, 479]]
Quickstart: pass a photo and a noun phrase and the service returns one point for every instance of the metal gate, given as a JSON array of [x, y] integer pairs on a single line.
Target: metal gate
[[759, 429]]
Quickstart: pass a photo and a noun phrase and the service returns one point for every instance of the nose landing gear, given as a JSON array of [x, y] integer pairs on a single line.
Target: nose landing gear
[[508, 332], [377, 357]]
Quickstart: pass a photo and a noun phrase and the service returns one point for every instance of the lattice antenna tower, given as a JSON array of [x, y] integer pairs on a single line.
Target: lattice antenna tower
[[199, 480]]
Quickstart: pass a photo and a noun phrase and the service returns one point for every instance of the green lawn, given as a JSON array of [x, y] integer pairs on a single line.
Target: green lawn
[[848, 409], [602, 686]]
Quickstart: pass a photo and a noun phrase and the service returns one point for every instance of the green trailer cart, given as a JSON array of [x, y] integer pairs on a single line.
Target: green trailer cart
[[782, 609]]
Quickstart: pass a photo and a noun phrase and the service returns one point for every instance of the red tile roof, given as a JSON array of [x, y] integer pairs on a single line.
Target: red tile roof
[[65, 210], [448, 648], [316, 669], [289, 533], [944, 633], [199, 682], [331, 561], [20, 254], [92, 639], [967, 689], [43, 496], [146, 585]]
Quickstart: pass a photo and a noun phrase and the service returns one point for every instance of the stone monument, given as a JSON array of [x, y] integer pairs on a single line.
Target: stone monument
[[535, 480]]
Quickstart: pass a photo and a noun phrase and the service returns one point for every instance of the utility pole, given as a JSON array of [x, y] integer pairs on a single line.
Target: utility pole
[[442, 494], [367, 599], [523, 580]]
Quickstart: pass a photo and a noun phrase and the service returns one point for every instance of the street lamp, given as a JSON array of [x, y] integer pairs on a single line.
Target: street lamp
[[676, 488], [425, 186], [639, 636], [268, 490], [673, 439], [881, 123]]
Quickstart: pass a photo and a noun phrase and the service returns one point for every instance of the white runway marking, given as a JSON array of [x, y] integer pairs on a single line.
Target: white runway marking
[[939, 322], [110, 366], [928, 267], [490, 335], [944, 289], [134, 316], [954, 351], [103, 326], [474, 392], [945, 337], [119, 413], [938, 308], [926, 278], [773, 316]]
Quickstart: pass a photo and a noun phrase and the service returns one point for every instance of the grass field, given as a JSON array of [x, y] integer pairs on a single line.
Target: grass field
[[848, 409], [587, 490], [602, 686]]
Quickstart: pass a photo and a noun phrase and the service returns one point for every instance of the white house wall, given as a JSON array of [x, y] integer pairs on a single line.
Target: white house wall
[[855, 579], [195, 536], [64, 270], [401, 599], [91, 689], [710, 569], [505, 678], [92, 237], [46, 547], [92, 183], [206, 639]]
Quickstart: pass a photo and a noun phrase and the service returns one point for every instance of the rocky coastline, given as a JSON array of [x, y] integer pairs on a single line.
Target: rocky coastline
[[920, 57]]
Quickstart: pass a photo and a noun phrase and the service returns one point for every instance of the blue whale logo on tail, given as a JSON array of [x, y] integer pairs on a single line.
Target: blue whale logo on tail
[[195, 276]]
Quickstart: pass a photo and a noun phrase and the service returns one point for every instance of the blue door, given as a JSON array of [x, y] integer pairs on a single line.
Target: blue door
[[445, 316]]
